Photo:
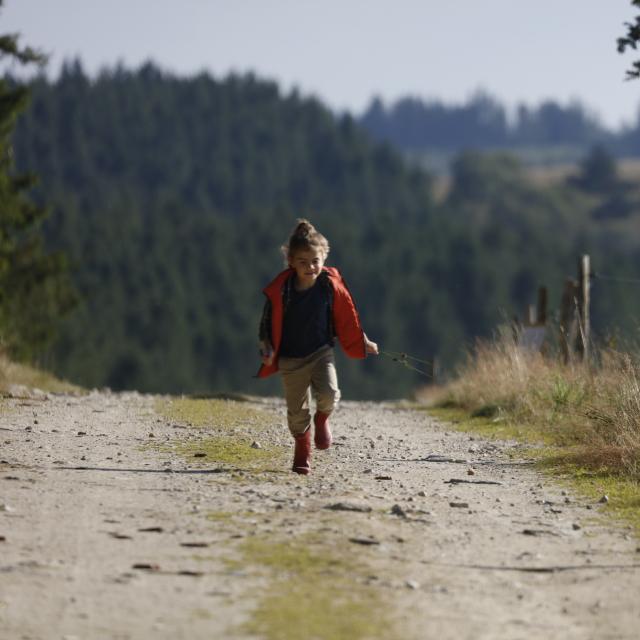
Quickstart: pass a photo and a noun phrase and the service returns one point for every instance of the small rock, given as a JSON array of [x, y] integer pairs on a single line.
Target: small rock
[[422, 494], [576, 527], [151, 435], [256, 445], [6, 508], [364, 541], [82, 433], [3, 539], [604, 499], [412, 584], [459, 505], [538, 532], [348, 506], [147, 566], [199, 454], [397, 510], [471, 472]]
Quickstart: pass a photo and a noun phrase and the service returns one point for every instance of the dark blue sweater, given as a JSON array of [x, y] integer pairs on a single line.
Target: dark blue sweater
[[306, 325]]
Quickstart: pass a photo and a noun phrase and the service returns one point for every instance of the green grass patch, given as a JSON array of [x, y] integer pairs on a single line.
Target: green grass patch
[[492, 428], [593, 483], [228, 430], [316, 593], [220, 516], [232, 451], [213, 413]]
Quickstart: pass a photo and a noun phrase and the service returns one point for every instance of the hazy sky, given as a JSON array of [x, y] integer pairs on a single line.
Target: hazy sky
[[345, 51]]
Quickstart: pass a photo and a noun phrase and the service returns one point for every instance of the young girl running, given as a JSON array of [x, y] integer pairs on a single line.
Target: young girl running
[[307, 305]]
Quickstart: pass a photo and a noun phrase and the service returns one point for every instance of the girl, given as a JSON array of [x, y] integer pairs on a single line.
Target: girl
[[307, 305]]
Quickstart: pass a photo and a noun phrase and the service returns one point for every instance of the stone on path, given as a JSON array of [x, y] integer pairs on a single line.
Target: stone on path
[[348, 506]]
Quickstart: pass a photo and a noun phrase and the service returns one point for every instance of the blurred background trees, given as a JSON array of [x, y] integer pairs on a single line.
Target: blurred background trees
[[171, 197], [33, 289]]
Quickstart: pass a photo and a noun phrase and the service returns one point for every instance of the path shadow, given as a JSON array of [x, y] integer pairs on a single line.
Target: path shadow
[[167, 471], [497, 463]]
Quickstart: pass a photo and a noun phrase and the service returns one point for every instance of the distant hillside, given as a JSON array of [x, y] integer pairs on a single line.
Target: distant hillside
[[432, 133], [172, 195]]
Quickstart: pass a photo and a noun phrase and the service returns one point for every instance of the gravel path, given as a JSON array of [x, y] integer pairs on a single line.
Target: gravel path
[[107, 531]]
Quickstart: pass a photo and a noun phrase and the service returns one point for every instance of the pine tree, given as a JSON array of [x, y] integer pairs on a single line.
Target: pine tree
[[34, 289], [631, 40]]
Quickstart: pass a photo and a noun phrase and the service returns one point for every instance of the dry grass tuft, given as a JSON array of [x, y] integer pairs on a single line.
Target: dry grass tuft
[[593, 409], [17, 374]]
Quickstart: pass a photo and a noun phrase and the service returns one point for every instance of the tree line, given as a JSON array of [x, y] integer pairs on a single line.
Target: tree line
[[171, 195], [413, 124]]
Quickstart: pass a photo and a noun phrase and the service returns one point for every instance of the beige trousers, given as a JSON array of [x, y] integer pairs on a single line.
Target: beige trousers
[[301, 376]]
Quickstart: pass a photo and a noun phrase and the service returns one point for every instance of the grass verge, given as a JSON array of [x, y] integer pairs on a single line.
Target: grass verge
[[585, 419], [566, 463], [13, 373]]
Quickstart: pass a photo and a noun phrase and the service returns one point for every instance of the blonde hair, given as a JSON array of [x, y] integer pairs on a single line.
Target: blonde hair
[[303, 238]]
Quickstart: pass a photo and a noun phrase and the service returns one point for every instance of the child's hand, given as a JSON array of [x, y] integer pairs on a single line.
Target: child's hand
[[370, 347], [266, 354]]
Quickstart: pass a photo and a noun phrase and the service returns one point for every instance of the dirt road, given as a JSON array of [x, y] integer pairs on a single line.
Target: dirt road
[[120, 518]]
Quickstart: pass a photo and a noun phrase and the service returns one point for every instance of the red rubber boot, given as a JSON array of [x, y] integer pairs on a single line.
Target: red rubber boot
[[322, 436], [302, 453]]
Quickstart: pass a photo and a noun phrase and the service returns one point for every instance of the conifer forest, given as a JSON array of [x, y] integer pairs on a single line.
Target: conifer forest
[[170, 196]]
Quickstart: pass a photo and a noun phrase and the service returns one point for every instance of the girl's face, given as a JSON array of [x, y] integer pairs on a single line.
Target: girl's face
[[308, 266]]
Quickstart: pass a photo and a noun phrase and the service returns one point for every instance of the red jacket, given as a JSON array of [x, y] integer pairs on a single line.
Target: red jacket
[[345, 317]]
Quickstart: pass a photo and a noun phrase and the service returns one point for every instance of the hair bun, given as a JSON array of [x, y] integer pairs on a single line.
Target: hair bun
[[303, 238], [304, 228]]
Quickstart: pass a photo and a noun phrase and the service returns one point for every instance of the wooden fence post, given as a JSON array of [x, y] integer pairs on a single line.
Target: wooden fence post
[[567, 318], [433, 370], [584, 320], [542, 306]]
